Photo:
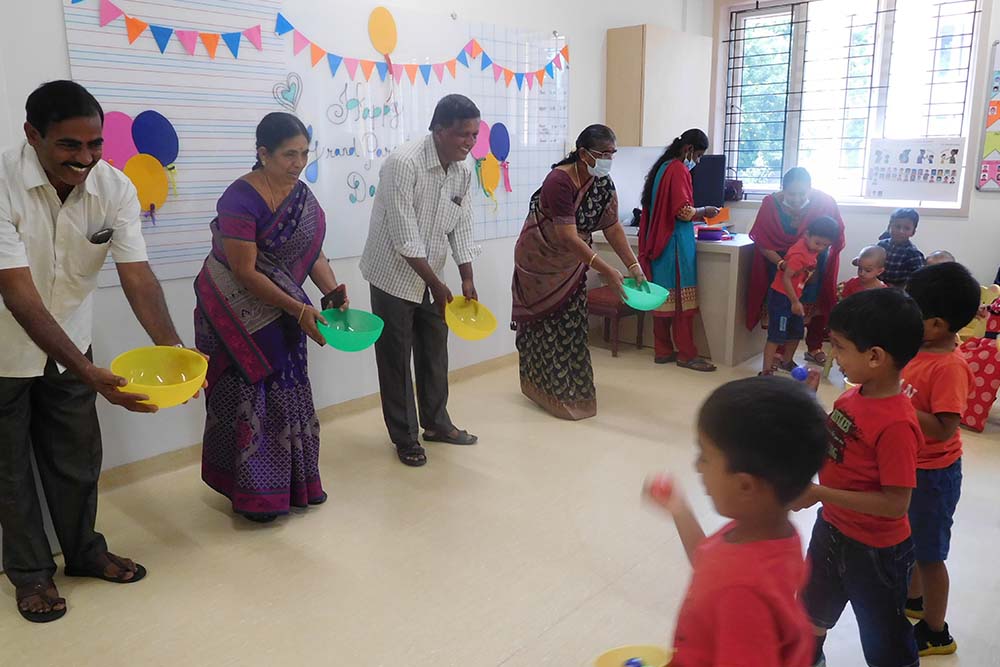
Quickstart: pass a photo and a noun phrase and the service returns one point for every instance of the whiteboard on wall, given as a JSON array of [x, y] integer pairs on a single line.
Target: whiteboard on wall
[[214, 104]]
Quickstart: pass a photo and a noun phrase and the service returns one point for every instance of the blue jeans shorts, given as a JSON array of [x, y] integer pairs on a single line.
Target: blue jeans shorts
[[932, 508], [875, 582], [782, 325]]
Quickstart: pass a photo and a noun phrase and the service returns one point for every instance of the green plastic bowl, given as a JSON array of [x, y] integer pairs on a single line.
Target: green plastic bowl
[[351, 330], [648, 297]]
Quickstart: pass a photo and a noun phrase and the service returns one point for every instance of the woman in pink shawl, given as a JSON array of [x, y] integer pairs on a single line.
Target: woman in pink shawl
[[783, 218]]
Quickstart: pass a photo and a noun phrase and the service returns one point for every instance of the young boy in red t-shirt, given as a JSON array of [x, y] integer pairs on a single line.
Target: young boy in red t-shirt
[[871, 265], [761, 441], [861, 551], [938, 382], [785, 312]]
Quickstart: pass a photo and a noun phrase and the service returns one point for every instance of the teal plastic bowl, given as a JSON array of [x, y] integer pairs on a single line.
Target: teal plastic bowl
[[350, 330], [648, 297]]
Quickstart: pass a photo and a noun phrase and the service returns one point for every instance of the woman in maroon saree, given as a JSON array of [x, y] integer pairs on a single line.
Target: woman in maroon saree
[[261, 443], [782, 219]]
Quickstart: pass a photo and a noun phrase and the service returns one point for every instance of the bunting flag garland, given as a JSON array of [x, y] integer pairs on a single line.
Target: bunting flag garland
[[422, 72], [109, 12]]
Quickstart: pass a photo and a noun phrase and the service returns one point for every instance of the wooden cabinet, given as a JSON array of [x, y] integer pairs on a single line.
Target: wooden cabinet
[[658, 84]]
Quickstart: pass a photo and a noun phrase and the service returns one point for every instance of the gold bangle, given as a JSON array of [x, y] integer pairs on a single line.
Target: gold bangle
[[301, 313], [592, 258], [634, 264]]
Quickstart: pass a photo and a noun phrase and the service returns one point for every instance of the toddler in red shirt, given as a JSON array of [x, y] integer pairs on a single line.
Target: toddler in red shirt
[[938, 382], [761, 440], [861, 551], [785, 312], [871, 265]]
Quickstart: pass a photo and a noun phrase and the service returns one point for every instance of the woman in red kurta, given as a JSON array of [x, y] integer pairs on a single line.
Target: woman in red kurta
[[782, 219], [667, 248]]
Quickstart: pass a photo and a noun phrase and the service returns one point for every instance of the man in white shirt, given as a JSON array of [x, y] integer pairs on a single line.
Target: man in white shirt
[[61, 211], [422, 207]]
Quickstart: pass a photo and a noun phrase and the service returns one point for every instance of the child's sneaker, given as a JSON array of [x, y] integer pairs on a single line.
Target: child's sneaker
[[933, 643], [915, 608]]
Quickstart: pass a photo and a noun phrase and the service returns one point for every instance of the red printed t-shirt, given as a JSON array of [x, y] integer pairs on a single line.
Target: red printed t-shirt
[[938, 383], [853, 286], [873, 443], [801, 263], [741, 608]]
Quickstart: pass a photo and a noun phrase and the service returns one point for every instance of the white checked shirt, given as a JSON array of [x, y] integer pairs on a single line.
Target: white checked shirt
[[419, 210], [52, 238]]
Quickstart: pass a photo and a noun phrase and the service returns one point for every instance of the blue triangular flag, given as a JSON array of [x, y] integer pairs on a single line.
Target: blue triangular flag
[[520, 80], [334, 61], [550, 69], [486, 61], [383, 69], [232, 40], [426, 71], [76, 1], [282, 25], [462, 58], [162, 36]]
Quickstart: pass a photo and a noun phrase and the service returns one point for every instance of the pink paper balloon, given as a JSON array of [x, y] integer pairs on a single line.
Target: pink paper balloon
[[482, 147], [119, 147]]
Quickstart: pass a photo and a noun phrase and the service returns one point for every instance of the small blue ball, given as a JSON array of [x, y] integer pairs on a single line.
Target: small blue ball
[[801, 373]]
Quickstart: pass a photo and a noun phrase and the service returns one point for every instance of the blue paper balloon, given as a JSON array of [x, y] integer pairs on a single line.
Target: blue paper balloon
[[500, 141], [153, 134]]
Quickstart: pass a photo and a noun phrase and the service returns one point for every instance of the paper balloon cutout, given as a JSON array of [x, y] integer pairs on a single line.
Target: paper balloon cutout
[[382, 30], [491, 175], [118, 144], [154, 135], [150, 180], [500, 147], [482, 147]]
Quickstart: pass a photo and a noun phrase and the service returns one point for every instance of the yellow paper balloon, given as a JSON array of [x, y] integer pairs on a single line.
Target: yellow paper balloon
[[491, 174], [149, 178], [382, 30]]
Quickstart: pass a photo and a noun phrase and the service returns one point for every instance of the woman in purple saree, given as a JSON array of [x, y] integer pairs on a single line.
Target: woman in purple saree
[[261, 443]]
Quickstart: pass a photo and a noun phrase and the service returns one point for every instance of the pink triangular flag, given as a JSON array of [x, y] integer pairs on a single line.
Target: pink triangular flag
[[109, 12], [530, 78], [558, 61], [497, 72], [397, 72], [188, 39], [253, 36], [468, 47], [352, 66], [439, 71], [300, 42]]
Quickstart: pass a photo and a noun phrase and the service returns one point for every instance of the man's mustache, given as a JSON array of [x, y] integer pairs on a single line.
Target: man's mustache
[[80, 166]]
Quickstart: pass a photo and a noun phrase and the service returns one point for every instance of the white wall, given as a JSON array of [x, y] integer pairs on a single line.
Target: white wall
[[974, 238], [33, 49]]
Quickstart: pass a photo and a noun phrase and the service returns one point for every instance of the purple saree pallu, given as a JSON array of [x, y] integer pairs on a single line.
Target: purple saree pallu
[[261, 442]]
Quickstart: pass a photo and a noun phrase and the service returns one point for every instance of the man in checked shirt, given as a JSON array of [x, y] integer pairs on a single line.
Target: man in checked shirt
[[422, 208]]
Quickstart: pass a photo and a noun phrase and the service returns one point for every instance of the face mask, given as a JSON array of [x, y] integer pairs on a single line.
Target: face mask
[[690, 164], [601, 168]]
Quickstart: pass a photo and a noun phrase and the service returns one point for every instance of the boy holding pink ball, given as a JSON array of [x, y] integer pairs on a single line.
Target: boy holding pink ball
[[761, 441]]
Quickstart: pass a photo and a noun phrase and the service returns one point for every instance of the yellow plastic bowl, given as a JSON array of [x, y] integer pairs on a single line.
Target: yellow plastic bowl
[[651, 656], [168, 375], [469, 319]]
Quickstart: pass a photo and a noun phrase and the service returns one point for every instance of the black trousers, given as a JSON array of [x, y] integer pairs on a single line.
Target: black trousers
[[54, 418], [414, 330]]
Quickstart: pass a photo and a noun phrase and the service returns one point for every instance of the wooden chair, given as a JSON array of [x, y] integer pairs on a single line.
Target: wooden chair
[[604, 302]]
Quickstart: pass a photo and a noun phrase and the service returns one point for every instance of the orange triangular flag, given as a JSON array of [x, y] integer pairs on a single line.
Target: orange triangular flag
[[411, 71], [508, 76], [540, 74], [367, 67], [452, 64], [135, 28], [476, 49], [317, 54], [211, 42], [565, 53]]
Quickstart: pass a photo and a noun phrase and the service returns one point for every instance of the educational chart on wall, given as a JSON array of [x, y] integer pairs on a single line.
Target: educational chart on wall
[[185, 83], [989, 167], [915, 169]]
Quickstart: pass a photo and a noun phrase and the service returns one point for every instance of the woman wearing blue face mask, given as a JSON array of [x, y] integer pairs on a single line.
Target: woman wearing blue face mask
[[551, 259], [667, 248]]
